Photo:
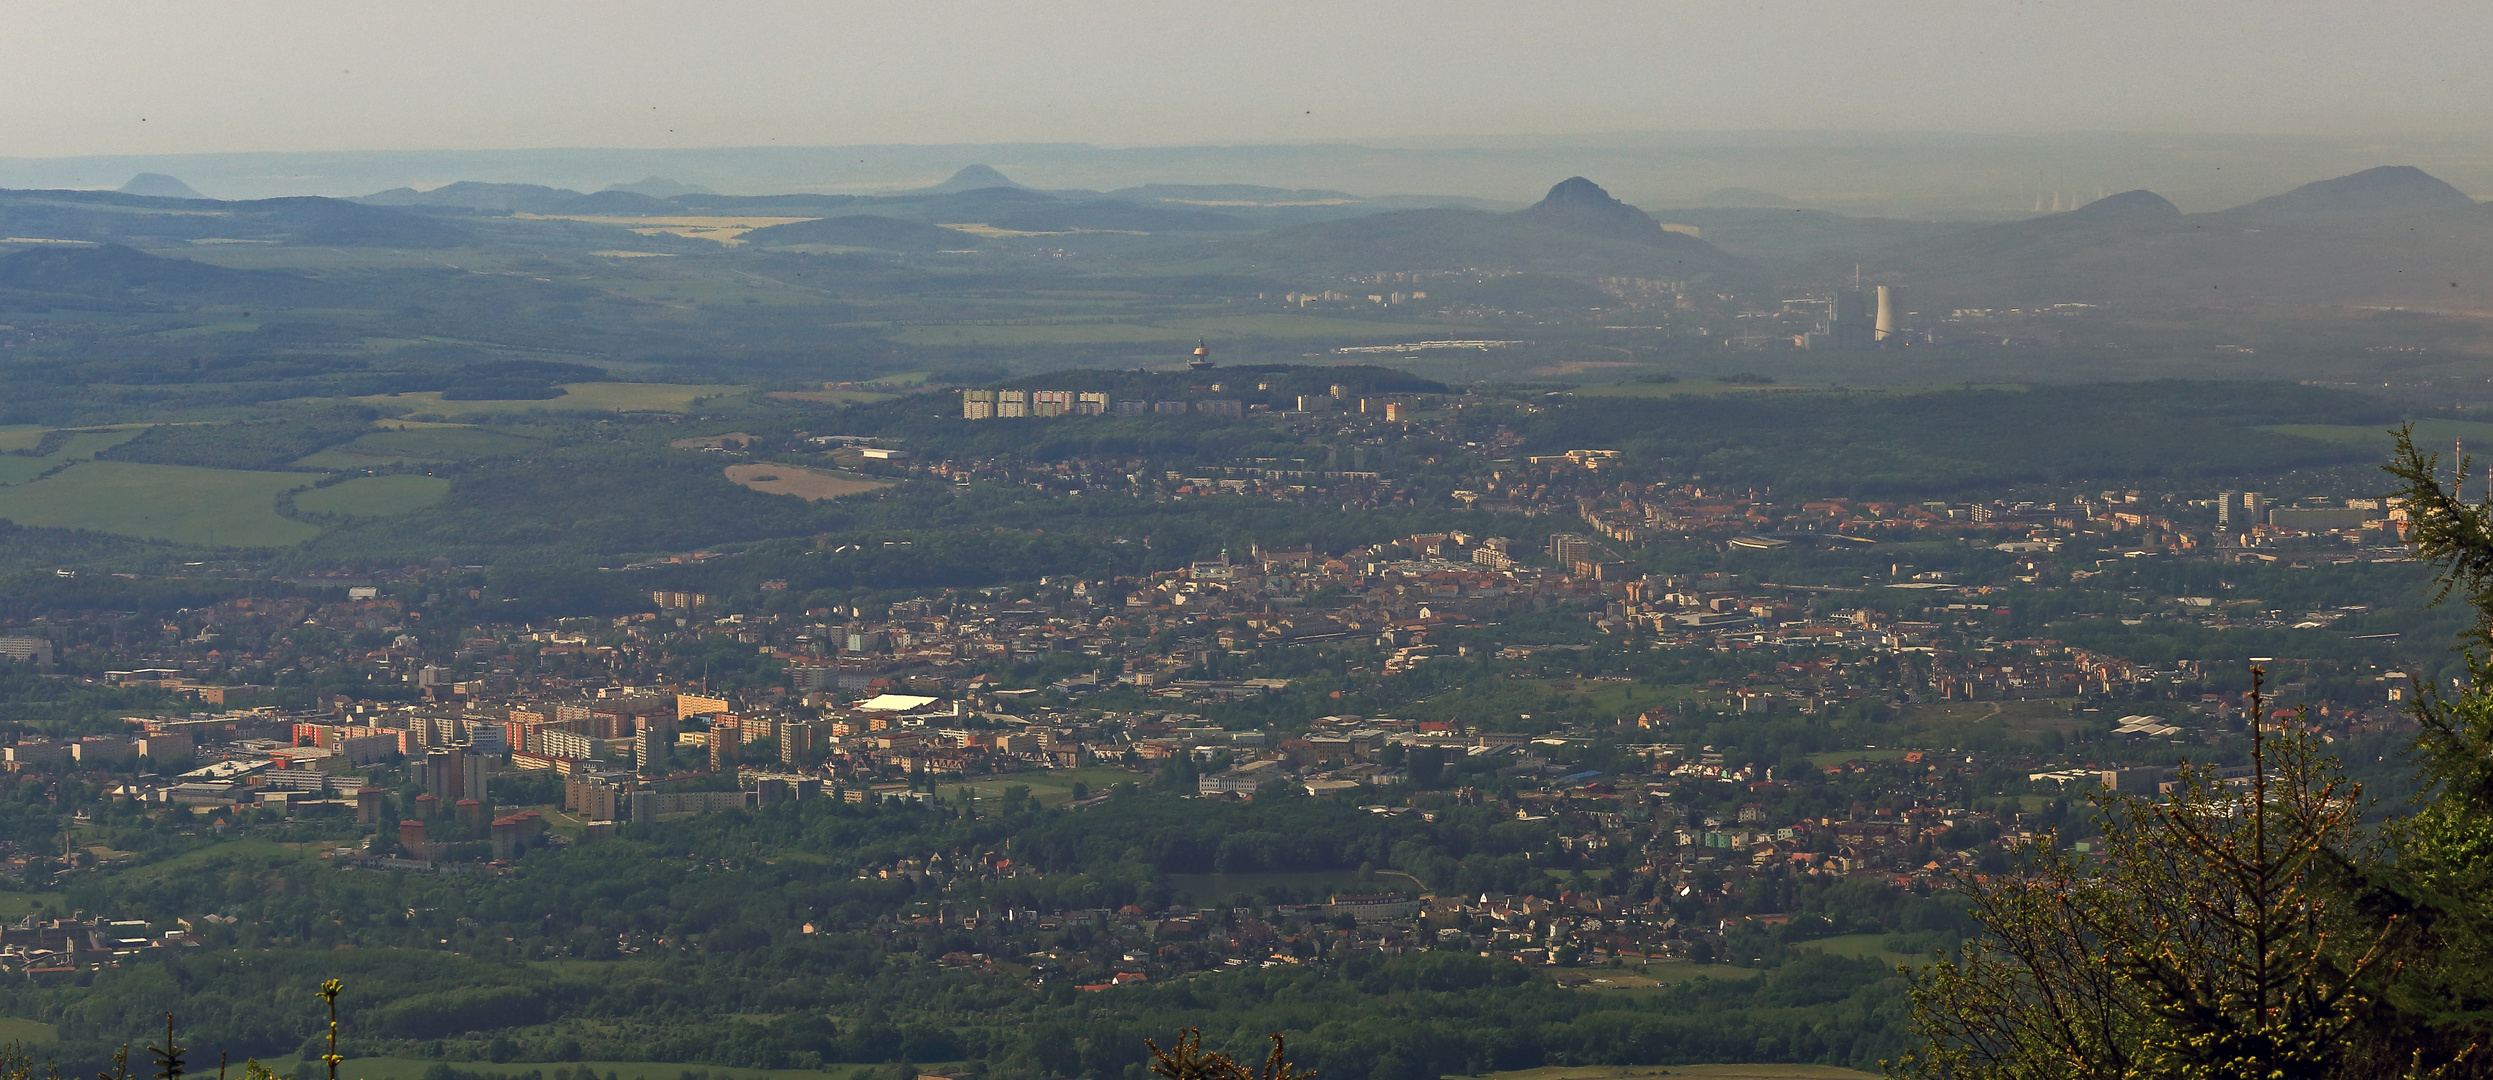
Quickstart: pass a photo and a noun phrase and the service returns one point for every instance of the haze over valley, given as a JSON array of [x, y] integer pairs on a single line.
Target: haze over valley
[[1594, 542]]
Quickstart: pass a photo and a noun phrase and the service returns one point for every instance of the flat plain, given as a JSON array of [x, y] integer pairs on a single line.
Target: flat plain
[[181, 503], [577, 397], [17, 468], [1274, 325], [808, 484], [375, 496], [1709, 1072]]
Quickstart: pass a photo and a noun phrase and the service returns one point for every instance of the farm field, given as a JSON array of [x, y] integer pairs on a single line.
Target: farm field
[[15, 469], [832, 397], [726, 229], [577, 397], [227, 507], [1939, 725], [1873, 946], [397, 1068], [808, 484], [375, 496], [2430, 434], [16, 905], [323, 257], [1114, 333], [1052, 786], [1686, 387], [1692, 1072], [1659, 976], [27, 1032], [421, 443]]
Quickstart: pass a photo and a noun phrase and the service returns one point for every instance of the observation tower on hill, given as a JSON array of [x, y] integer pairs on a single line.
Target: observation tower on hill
[[1203, 357]]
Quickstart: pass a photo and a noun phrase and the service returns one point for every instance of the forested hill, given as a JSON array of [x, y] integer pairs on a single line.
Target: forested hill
[[752, 938]]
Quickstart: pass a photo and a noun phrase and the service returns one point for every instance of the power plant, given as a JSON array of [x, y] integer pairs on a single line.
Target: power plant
[[1848, 322], [1891, 319], [1851, 326]]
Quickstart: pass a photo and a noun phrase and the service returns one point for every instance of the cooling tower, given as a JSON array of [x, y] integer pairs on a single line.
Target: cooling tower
[[1890, 312]]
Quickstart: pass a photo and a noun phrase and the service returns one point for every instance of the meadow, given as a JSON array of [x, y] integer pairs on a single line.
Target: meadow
[[17, 469], [728, 230], [808, 484], [1051, 787], [398, 1068], [181, 503], [1857, 946], [832, 397], [1686, 388], [27, 1032], [1232, 327], [2432, 434], [577, 397], [375, 496], [1687, 1072]]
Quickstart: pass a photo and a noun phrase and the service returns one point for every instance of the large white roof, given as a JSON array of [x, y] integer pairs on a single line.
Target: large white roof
[[894, 703]]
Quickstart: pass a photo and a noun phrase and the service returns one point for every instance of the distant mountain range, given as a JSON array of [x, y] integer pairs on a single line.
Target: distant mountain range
[[1577, 229], [142, 220], [2391, 235]]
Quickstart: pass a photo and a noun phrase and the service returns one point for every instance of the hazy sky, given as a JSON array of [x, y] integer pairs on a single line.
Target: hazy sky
[[237, 75]]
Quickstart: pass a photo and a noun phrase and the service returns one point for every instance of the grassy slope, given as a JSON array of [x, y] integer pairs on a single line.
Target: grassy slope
[[375, 496], [164, 502], [81, 446], [578, 397], [1275, 325]]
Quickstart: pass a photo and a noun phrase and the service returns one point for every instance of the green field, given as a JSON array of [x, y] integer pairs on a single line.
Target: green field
[[16, 905], [1050, 787], [161, 502], [1653, 978], [15, 469], [1943, 724], [578, 397], [1694, 1072], [398, 1068], [309, 257], [832, 397], [27, 1032], [1231, 327], [2431, 435], [1685, 387], [420, 443], [1872, 946], [375, 496], [189, 862]]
